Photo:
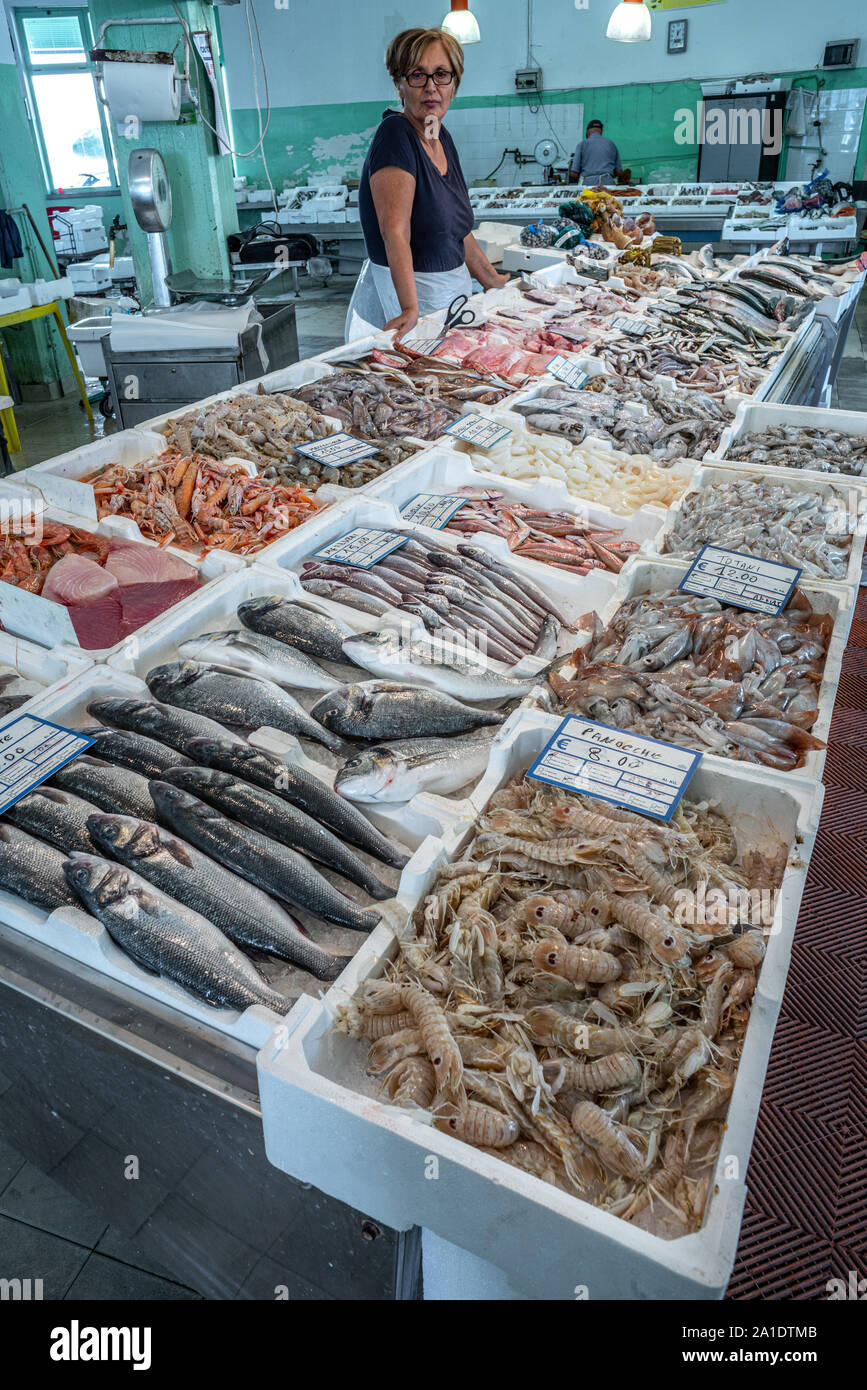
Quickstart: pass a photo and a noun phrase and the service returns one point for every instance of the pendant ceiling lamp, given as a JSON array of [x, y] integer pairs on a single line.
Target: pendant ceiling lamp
[[461, 23], [630, 22]]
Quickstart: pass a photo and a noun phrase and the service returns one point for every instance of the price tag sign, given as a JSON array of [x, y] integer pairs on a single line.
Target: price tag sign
[[762, 586], [337, 450], [630, 323], [361, 547], [475, 429], [433, 509], [423, 346], [614, 765], [32, 749], [567, 372]]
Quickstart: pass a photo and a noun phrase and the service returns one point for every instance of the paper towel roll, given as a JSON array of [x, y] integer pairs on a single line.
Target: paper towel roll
[[145, 90]]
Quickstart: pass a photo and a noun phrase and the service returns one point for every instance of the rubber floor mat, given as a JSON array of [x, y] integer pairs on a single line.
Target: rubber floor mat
[[805, 1219]]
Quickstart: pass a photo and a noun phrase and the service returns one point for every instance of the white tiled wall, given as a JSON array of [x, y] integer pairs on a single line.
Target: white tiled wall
[[482, 134], [841, 113]]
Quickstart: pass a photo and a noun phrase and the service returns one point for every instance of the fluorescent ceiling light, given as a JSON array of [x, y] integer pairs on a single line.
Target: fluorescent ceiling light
[[461, 23], [630, 22]]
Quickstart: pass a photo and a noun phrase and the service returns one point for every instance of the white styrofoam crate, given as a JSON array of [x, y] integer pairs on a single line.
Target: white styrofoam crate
[[411, 821], [642, 575], [51, 669], [441, 470], [708, 476], [575, 595], [319, 1113], [753, 416], [72, 930]]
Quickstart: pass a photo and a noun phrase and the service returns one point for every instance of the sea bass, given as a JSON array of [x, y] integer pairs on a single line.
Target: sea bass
[[166, 723], [300, 788], [271, 866], [272, 815], [428, 663], [246, 702], [59, 818], [33, 869], [135, 751], [163, 936], [254, 654], [246, 914], [108, 787]]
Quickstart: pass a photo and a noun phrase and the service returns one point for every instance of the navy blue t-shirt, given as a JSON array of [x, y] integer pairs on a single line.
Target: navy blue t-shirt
[[441, 212]]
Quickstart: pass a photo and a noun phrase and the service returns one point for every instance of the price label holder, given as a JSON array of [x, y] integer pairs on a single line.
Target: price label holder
[[337, 449], [361, 547], [567, 372], [32, 749], [423, 347], [434, 509], [614, 765], [630, 323], [476, 429], [762, 586]]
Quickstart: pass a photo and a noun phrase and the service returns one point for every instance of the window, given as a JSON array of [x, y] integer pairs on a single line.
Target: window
[[71, 129]]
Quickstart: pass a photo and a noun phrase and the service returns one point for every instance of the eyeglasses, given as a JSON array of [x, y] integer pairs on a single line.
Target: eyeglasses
[[442, 77]]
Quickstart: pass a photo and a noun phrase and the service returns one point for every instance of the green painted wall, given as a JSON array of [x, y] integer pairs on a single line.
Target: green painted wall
[[306, 139], [201, 179], [33, 351]]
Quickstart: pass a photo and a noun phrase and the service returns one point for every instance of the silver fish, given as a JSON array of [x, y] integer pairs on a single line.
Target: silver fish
[[397, 771], [271, 866], [265, 811], [245, 702], [59, 818], [108, 787], [167, 724], [135, 751], [391, 709], [240, 909], [317, 634], [33, 869], [168, 939], [253, 654], [433, 665]]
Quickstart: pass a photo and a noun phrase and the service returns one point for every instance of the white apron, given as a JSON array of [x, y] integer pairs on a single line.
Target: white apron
[[374, 300]]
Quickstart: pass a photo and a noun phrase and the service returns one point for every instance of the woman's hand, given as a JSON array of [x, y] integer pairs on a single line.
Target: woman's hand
[[403, 324]]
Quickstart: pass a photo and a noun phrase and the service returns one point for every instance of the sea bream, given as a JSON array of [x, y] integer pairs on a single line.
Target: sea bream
[[168, 939], [248, 916], [270, 865], [245, 702], [254, 654], [272, 815], [316, 634], [301, 788], [396, 771], [393, 709]]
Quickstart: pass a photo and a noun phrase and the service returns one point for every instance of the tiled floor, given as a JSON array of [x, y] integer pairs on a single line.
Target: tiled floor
[[41, 1225]]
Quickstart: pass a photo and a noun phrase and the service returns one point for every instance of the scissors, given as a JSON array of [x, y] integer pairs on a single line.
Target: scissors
[[455, 318]]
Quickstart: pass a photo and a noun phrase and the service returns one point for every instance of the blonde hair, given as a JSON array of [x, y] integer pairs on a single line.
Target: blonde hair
[[405, 51]]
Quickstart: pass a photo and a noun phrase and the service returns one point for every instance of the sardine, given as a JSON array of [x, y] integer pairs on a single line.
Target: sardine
[[253, 654], [248, 916], [317, 634], [300, 788], [33, 869], [168, 939], [271, 866], [272, 815], [245, 702]]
